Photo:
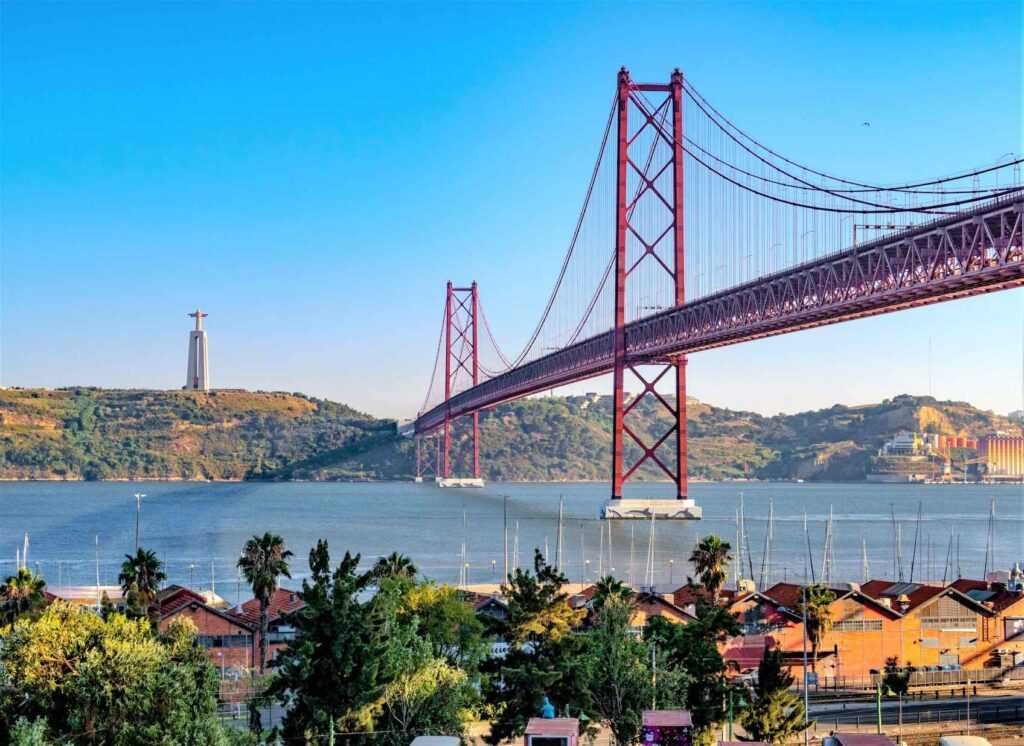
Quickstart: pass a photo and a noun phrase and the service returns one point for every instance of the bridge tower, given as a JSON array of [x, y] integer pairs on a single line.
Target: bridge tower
[[657, 177], [462, 306]]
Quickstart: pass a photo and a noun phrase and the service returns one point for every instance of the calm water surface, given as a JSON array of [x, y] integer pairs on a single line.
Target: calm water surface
[[199, 528]]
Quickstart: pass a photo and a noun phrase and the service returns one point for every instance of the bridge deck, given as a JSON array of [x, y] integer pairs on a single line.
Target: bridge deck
[[974, 252]]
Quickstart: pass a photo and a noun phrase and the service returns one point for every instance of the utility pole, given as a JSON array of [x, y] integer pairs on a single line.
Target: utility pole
[[97, 573], [138, 512], [807, 702], [558, 538], [504, 532], [654, 676]]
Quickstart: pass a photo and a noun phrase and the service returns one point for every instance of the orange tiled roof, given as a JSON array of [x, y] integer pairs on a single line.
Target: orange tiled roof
[[175, 597], [282, 601], [978, 590]]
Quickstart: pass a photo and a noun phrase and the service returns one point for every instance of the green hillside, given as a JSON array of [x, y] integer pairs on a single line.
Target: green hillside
[[87, 433]]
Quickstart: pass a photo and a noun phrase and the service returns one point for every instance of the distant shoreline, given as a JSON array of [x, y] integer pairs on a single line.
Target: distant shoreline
[[171, 480]]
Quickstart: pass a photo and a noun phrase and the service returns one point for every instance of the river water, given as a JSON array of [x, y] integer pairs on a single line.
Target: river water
[[199, 528]]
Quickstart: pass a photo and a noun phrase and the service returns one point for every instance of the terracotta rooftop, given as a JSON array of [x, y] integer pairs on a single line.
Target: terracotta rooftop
[[667, 718], [569, 727], [283, 601], [916, 593], [175, 597], [994, 594], [689, 594]]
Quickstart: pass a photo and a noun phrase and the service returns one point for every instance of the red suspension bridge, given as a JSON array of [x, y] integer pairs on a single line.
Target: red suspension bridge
[[694, 235]]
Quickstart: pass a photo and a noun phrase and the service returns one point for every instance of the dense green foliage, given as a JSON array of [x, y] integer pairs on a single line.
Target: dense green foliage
[[620, 682], [776, 714], [362, 665], [378, 658], [545, 658], [89, 433], [263, 561], [70, 676], [692, 649], [710, 558], [816, 608], [140, 578], [22, 593]]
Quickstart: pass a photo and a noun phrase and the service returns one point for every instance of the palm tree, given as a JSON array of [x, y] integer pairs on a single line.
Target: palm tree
[[395, 565], [608, 588], [816, 606], [264, 559], [20, 594], [710, 558], [140, 579]]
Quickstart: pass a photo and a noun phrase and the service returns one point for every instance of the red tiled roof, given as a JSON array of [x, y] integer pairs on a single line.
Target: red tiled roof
[[1000, 599], [690, 594], [487, 601], [282, 601], [175, 597], [747, 651], [784, 594], [879, 589], [658, 606], [583, 597]]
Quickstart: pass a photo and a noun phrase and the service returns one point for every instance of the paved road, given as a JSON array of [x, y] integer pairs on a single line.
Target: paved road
[[982, 710]]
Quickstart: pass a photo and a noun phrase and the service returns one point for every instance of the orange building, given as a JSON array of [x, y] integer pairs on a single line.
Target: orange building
[[919, 625], [1002, 629], [1002, 455]]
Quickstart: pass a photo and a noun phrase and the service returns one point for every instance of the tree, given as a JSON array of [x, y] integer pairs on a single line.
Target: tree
[[424, 694], [95, 681], [21, 593], [692, 650], [817, 605], [544, 658], [896, 680], [331, 675], [447, 622], [140, 579], [394, 565], [619, 680], [264, 560], [776, 715], [608, 588], [710, 558]]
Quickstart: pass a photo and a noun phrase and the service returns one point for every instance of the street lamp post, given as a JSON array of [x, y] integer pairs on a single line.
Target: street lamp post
[[672, 574], [138, 512]]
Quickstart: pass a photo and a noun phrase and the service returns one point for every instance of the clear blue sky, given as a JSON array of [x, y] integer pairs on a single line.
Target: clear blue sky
[[312, 175]]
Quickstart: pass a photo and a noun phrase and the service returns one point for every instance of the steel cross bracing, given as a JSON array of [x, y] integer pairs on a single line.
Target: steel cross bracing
[[977, 251], [657, 241], [461, 358]]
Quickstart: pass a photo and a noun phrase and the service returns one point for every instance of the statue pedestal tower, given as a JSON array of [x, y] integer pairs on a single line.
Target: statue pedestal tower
[[198, 376]]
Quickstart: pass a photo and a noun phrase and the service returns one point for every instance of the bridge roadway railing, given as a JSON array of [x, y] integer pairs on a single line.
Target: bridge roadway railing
[[974, 252]]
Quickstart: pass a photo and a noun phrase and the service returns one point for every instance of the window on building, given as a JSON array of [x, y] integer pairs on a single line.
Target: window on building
[[948, 614], [858, 625], [1013, 626], [225, 641]]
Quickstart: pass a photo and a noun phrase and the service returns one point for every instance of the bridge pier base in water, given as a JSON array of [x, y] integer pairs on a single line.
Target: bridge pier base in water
[[683, 509]]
